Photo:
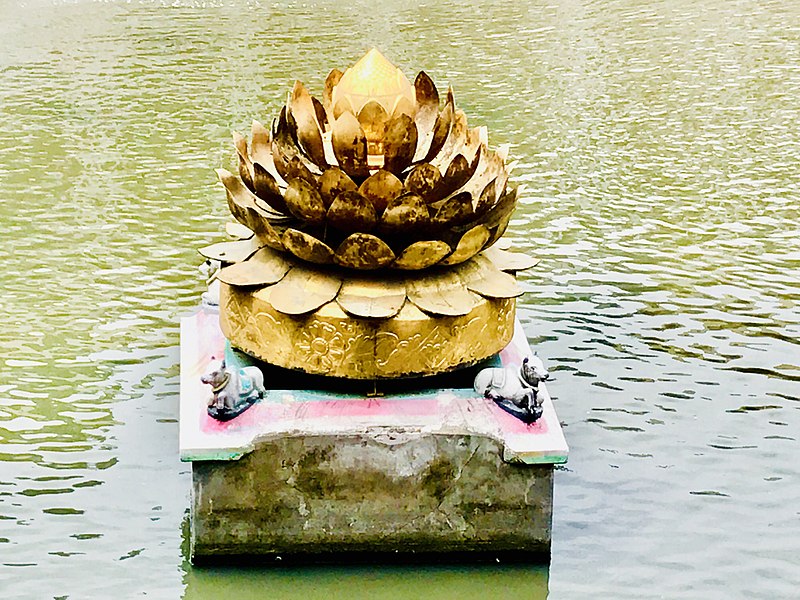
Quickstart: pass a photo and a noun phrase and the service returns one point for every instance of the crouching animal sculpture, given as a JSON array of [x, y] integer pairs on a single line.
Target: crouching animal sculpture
[[515, 390], [234, 391]]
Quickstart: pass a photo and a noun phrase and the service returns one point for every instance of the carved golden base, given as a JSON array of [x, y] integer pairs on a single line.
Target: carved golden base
[[331, 342]]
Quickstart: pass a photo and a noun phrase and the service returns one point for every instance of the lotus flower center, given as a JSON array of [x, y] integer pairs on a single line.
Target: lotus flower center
[[374, 78]]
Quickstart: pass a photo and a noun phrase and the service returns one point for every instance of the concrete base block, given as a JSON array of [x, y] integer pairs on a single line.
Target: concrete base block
[[371, 493]]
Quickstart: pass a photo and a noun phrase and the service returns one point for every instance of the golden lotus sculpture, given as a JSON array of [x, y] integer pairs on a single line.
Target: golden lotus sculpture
[[344, 202], [375, 175]]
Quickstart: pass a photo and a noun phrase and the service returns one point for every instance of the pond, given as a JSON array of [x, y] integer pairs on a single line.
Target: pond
[[659, 145]]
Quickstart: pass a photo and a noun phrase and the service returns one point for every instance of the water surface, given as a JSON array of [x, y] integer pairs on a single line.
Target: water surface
[[659, 145]]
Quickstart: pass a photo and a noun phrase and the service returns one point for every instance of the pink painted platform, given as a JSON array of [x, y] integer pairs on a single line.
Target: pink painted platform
[[293, 413]]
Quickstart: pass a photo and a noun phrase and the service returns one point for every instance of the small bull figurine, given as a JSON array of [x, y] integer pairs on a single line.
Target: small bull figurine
[[515, 390], [234, 391]]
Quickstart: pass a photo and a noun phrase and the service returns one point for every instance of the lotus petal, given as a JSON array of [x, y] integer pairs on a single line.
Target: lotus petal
[[381, 188], [284, 148], [296, 169], [322, 115], [399, 143], [302, 291], [422, 180], [469, 245], [373, 119], [309, 135], [304, 202], [482, 277], [498, 217], [491, 167], [242, 205], [458, 173], [333, 78], [510, 261], [265, 267], [404, 213], [372, 299], [238, 231], [453, 211], [455, 141], [307, 247], [245, 166], [363, 251], [260, 142], [427, 97], [352, 212], [350, 145], [434, 141], [421, 255], [266, 188], [441, 294], [487, 198], [333, 182], [232, 252]]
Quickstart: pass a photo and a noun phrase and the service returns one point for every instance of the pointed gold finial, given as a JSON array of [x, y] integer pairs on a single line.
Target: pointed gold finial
[[373, 77]]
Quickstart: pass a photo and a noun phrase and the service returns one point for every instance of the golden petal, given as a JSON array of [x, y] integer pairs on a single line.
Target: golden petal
[[422, 180], [487, 198], [238, 231], [399, 143], [242, 205], [453, 211], [266, 188], [469, 245], [284, 147], [427, 97], [232, 252], [307, 247], [421, 255], [510, 261], [265, 267], [438, 137], [404, 213], [363, 251], [480, 276], [296, 169], [373, 119], [309, 134], [322, 115], [370, 298], [304, 202], [441, 294], [333, 78], [491, 166], [260, 143], [333, 182], [351, 212], [245, 166], [458, 173], [455, 141], [302, 291], [381, 188], [403, 106], [498, 218], [350, 145]]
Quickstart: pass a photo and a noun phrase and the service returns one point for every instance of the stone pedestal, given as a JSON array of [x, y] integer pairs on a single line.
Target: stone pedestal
[[325, 476]]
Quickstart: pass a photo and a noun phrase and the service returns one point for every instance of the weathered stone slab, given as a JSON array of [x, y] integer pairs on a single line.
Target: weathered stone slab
[[374, 492]]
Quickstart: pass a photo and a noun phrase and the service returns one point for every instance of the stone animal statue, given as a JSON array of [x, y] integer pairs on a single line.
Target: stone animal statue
[[234, 391], [515, 390], [209, 270]]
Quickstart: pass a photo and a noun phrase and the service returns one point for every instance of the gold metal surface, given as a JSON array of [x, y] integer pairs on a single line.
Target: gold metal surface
[[510, 261], [232, 252], [307, 247], [330, 342], [381, 187], [238, 231], [441, 294], [301, 291], [421, 255], [468, 246], [351, 212], [481, 276], [265, 267], [364, 252], [370, 298]]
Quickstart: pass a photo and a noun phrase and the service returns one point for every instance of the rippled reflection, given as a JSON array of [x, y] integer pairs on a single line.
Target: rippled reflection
[[659, 146]]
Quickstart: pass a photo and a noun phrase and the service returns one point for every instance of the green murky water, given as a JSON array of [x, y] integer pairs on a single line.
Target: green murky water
[[660, 145]]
